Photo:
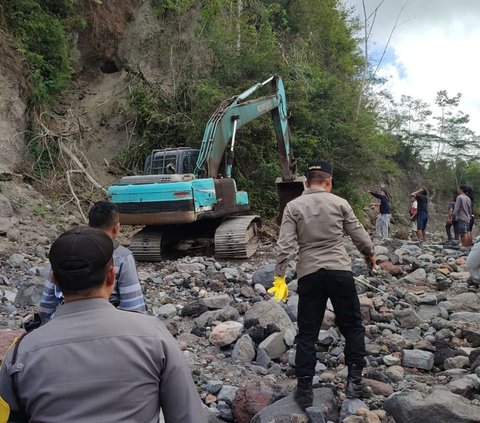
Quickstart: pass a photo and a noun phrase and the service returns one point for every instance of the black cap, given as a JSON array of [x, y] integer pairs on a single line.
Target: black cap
[[80, 252], [320, 165]]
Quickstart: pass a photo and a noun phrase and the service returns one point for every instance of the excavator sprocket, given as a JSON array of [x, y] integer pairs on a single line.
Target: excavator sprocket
[[237, 237]]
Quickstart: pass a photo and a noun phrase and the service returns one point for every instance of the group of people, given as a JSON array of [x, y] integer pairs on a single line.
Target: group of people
[[107, 361], [97, 357]]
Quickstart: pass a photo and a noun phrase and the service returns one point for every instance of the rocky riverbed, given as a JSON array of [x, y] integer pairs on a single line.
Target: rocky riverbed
[[421, 313]]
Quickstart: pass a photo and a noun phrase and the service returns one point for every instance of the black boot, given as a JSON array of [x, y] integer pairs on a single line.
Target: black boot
[[303, 394], [355, 387]]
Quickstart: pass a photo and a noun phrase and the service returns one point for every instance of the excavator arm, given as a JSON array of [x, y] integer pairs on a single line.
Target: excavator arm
[[232, 114]]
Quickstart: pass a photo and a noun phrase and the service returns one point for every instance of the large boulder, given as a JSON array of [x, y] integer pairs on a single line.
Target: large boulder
[[270, 312], [287, 410], [439, 406], [253, 398], [29, 292]]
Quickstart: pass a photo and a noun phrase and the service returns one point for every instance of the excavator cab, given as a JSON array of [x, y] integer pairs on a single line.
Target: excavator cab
[[171, 161]]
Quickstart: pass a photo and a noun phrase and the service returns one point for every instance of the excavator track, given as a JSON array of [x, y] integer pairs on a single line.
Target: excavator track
[[237, 237], [146, 245]]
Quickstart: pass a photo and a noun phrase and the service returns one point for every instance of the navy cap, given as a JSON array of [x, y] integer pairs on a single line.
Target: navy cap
[[321, 166], [80, 252]]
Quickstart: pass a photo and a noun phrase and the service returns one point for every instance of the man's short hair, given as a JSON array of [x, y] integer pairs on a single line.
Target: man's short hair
[[317, 177], [464, 188], [80, 259], [102, 215]]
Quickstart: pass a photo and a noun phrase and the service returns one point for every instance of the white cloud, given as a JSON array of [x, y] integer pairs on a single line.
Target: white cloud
[[436, 47]]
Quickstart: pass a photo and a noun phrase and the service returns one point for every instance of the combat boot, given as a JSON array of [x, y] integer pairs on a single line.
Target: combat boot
[[355, 387], [303, 394]]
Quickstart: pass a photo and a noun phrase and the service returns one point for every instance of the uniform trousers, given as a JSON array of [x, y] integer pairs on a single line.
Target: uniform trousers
[[313, 291]]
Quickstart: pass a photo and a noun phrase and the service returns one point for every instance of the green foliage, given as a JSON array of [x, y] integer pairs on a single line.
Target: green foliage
[[39, 210], [167, 7], [41, 32], [310, 43]]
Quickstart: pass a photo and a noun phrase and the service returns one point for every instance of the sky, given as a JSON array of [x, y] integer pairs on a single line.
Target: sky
[[435, 46]]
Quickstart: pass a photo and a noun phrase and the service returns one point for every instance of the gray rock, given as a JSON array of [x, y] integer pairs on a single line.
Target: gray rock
[[418, 277], [407, 318], [468, 301], [464, 386], [439, 406], [270, 312], [167, 311], [244, 350], [458, 362], [227, 394], [466, 316], [391, 360], [264, 275], [214, 386], [13, 235], [190, 267], [225, 333], [274, 345], [428, 312], [262, 358], [224, 411], [231, 273], [350, 407], [418, 359], [29, 292], [217, 301], [224, 314], [287, 410], [16, 260], [473, 336]]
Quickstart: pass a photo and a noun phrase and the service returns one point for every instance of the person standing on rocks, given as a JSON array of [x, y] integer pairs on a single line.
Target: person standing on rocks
[[383, 219], [463, 213], [317, 220], [413, 216], [422, 212], [451, 221], [93, 362], [127, 294]]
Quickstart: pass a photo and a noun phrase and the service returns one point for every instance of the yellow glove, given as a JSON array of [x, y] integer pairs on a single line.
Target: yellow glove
[[279, 289]]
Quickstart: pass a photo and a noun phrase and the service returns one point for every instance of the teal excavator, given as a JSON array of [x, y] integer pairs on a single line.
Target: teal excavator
[[183, 195]]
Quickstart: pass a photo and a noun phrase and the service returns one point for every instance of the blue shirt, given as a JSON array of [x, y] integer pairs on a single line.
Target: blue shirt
[[127, 293]]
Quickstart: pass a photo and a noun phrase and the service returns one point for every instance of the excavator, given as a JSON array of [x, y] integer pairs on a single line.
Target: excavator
[[189, 193]]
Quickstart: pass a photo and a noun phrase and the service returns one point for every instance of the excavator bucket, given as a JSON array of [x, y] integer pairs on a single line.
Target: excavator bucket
[[287, 191]]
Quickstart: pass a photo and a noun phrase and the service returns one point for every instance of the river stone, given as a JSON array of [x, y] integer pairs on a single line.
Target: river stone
[[253, 398], [225, 333], [274, 345], [468, 301], [440, 406], [418, 277], [270, 312], [418, 359], [217, 301], [29, 292], [466, 316], [428, 312], [244, 350], [264, 275], [287, 410], [190, 267], [407, 318]]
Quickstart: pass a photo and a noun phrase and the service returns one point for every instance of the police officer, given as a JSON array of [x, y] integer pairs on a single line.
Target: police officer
[[94, 362], [317, 220]]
